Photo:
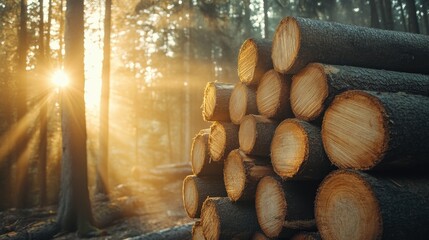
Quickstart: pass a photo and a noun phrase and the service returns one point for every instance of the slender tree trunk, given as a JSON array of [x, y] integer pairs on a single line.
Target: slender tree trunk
[[22, 159], [74, 211], [425, 4], [102, 180], [404, 21], [266, 21], [413, 23], [387, 10], [374, 14]]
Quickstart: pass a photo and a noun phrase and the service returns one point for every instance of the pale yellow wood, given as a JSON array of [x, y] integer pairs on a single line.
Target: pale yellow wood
[[247, 59], [234, 175], [238, 103], [210, 220], [268, 95], [247, 133], [199, 150], [190, 196], [217, 141], [286, 44]]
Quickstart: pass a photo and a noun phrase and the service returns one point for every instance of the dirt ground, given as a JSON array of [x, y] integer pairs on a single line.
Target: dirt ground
[[154, 207]]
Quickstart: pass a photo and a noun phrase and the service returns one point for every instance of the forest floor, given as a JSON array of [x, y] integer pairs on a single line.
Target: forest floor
[[151, 208]]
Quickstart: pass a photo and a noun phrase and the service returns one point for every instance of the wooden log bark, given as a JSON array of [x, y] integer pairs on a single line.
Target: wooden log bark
[[299, 41], [363, 130], [216, 101], [272, 95], [255, 135], [222, 140], [260, 236], [196, 189], [197, 231], [202, 165], [284, 208], [242, 174], [307, 236], [242, 102], [297, 151], [314, 87], [223, 219], [254, 59], [356, 205]]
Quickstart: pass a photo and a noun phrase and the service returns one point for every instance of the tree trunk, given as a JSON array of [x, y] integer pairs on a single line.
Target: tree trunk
[[254, 59], [387, 9], [285, 207], [102, 177], [197, 231], [297, 151], [223, 219], [425, 9], [242, 102], [197, 189], [299, 41], [413, 23], [21, 154], [363, 130], [74, 210], [222, 140], [314, 87], [356, 205], [272, 96], [202, 165], [242, 174], [255, 135], [375, 21], [216, 101], [404, 22]]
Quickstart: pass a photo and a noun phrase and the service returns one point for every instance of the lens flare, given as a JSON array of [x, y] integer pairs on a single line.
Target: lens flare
[[60, 79]]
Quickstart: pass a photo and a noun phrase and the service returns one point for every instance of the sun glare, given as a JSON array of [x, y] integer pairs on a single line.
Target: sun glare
[[60, 79]]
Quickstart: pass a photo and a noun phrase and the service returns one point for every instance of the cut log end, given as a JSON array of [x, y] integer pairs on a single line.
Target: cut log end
[[247, 134], [234, 175], [247, 59], [217, 141], [190, 196], [309, 89], [238, 103], [270, 93], [346, 208], [199, 151], [270, 206], [209, 102], [286, 44], [210, 219], [197, 231], [289, 148], [354, 130]]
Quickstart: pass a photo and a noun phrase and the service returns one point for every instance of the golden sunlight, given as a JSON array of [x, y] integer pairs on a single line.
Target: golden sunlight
[[60, 79]]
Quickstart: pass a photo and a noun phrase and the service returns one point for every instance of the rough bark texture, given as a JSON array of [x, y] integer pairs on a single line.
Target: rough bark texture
[[242, 174], [181, 232], [216, 101], [403, 204], [405, 125], [290, 203], [222, 140], [307, 236], [263, 132], [314, 164], [342, 78], [335, 43], [234, 221], [272, 96], [202, 165], [242, 102], [254, 59], [205, 187]]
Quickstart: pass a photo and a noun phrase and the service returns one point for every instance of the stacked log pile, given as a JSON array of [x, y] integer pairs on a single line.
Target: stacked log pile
[[324, 137]]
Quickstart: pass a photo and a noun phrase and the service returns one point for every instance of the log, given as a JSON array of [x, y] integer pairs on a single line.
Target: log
[[242, 174], [272, 95], [216, 101], [254, 59], [297, 151], [181, 232], [314, 87], [356, 205], [223, 219], [363, 130], [196, 189], [222, 140], [285, 207], [202, 165], [197, 231], [300, 41], [307, 236], [242, 102], [255, 135], [260, 236]]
